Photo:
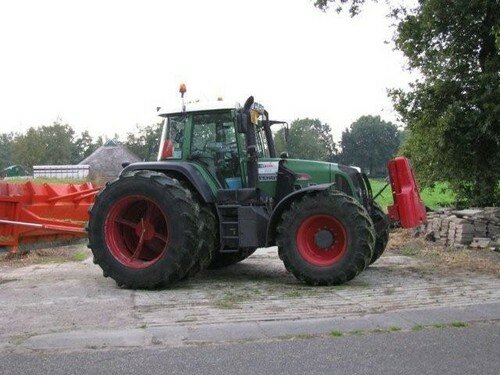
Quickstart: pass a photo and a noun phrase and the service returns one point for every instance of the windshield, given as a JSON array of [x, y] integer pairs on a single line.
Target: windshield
[[213, 131]]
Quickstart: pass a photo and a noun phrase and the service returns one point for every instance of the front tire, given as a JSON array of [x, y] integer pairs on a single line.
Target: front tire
[[143, 230], [326, 238]]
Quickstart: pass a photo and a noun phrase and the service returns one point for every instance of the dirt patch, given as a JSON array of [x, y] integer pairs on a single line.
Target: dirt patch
[[402, 242], [53, 254]]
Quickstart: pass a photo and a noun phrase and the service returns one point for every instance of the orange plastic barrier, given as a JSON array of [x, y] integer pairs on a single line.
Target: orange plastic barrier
[[408, 208], [31, 212]]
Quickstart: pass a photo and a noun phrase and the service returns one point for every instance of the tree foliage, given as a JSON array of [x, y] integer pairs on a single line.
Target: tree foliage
[[145, 141], [6, 150], [369, 143], [308, 139], [52, 144], [84, 146], [58, 144], [354, 6], [453, 112]]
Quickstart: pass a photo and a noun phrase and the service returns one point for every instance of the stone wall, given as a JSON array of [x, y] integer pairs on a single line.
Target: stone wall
[[471, 227]]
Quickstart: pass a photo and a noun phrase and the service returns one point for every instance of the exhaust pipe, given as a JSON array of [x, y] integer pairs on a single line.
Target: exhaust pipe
[[251, 145]]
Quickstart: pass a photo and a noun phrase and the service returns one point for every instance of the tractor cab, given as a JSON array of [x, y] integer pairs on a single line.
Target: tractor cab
[[208, 139], [214, 139]]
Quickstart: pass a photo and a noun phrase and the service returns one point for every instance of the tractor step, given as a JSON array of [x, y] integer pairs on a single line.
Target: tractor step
[[229, 228], [242, 226]]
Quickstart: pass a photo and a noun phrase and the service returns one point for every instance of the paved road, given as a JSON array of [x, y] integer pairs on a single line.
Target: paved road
[[471, 350]]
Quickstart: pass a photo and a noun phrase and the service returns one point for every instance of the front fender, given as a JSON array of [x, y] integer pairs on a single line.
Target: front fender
[[285, 204]]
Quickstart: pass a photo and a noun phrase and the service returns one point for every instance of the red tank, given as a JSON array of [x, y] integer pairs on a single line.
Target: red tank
[[408, 209]]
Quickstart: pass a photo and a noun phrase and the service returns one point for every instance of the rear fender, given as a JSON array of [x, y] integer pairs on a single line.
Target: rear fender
[[285, 204], [408, 209], [181, 169]]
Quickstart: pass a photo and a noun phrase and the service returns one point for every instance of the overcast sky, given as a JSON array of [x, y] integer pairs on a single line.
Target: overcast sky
[[106, 65]]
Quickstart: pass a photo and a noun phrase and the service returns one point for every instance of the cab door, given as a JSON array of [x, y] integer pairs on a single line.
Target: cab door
[[215, 146]]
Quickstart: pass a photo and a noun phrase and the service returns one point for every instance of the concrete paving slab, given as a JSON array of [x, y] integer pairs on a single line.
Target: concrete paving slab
[[89, 339], [45, 304], [177, 336]]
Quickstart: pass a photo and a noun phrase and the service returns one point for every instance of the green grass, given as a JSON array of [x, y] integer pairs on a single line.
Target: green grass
[[232, 300], [409, 251], [439, 196], [336, 333], [358, 332], [458, 324], [417, 327], [394, 329], [80, 256]]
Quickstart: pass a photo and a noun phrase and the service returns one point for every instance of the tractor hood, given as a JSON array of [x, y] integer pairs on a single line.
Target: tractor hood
[[308, 173]]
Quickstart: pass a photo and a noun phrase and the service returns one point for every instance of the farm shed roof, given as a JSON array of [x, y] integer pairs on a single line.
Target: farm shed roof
[[107, 160]]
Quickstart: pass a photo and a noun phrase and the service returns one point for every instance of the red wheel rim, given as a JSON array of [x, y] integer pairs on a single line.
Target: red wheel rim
[[136, 231], [321, 240]]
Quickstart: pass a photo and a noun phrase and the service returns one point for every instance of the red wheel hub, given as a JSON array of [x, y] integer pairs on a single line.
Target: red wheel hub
[[136, 231], [321, 240]]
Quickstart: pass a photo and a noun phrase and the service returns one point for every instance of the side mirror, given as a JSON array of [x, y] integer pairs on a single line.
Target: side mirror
[[242, 122]]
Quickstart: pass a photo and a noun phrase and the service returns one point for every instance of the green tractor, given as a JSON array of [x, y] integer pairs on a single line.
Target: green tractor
[[219, 191]]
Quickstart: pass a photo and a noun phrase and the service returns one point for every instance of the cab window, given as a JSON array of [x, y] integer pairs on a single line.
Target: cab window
[[175, 132]]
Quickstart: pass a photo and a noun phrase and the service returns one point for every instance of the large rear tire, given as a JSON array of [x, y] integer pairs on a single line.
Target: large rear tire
[[208, 241], [325, 238], [381, 223], [143, 230]]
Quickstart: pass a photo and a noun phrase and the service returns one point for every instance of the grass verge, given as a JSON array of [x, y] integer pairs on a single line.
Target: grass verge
[[438, 196]]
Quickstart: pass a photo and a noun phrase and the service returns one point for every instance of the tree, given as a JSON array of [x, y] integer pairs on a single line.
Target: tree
[[146, 141], [83, 146], [369, 143], [51, 144], [353, 5], [308, 139], [453, 112], [6, 140]]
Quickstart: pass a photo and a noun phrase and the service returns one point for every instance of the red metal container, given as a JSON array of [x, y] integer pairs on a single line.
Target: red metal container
[[31, 212], [408, 209]]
